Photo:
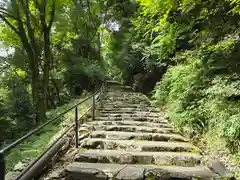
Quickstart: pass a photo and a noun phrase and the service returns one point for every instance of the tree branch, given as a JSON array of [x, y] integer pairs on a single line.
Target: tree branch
[[6, 13], [22, 33], [9, 24], [30, 30], [52, 15]]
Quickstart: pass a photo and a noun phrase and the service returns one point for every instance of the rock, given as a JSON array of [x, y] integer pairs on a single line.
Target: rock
[[12, 175], [83, 130], [85, 125], [87, 158], [57, 174], [92, 171], [19, 166], [92, 143], [130, 173], [144, 159], [178, 172], [157, 175], [88, 174], [217, 167], [126, 158]]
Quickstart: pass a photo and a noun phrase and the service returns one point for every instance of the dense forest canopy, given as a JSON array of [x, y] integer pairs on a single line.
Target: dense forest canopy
[[186, 52]]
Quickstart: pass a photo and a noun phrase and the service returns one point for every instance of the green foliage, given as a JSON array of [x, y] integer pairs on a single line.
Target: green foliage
[[200, 94], [134, 42], [35, 145], [76, 64], [199, 40]]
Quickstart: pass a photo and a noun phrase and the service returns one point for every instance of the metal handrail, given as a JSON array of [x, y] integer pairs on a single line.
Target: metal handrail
[[20, 140], [55, 146]]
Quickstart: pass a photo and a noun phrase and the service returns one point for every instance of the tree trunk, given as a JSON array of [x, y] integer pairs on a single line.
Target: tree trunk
[[99, 45], [56, 88], [36, 90], [47, 62]]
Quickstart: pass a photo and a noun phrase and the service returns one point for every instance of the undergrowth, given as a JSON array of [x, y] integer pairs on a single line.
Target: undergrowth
[[202, 96], [39, 142]]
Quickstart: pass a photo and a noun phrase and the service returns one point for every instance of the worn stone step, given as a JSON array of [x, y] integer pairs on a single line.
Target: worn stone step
[[125, 101], [125, 109], [112, 105], [137, 157], [137, 145], [117, 94], [130, 128], [139, 114], [137, 136], [102, 171], [127, 115], [125, 105], [142, 119], [131, 112], [118, 87], [124, 97], [132, 123]]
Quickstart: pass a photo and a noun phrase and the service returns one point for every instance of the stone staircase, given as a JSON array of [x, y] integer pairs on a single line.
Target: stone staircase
[[130, 140]]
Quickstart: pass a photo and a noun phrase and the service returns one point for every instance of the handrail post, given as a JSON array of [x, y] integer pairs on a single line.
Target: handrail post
[[106, 86], [2, 166], [93, 108], [101, 96], [76, 126]]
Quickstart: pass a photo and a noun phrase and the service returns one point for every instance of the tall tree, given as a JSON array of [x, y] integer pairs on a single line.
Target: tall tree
[[32, 21]]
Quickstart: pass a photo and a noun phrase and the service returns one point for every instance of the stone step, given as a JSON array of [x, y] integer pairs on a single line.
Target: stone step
[[130, 112], [127, 115], [122, 103], [132, 123], [125, 98], [125, 101], [111, 105], [124, 109], [125, 105], [102, 171], [113, 93], [130, 128], [137, 145], [142, 119], [137, 136], [118, 87], [136, 157]]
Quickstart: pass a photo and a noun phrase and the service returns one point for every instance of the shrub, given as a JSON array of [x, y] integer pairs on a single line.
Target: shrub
[[200, 99]]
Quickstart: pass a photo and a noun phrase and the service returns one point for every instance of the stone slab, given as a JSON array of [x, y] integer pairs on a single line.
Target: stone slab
[[99, 143]]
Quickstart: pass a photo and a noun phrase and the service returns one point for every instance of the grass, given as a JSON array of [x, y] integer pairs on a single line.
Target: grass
[[39, 142]]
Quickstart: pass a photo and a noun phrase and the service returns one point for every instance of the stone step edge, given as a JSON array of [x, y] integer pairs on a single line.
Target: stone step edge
[[91, 170], [138, 135], [186, 154], [143, 145], [133, 157], [140, 129], [128, 122]]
